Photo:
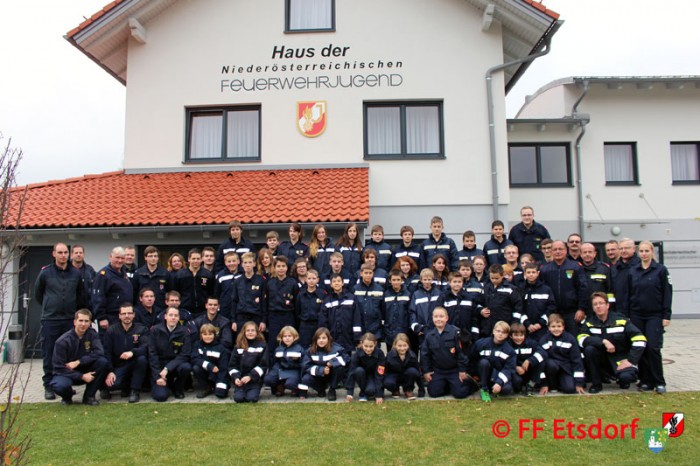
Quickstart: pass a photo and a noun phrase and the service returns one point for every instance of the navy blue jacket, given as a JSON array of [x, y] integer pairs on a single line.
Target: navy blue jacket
[[314, 363], [118, 341], [538, 304], [527, 351], [88, 274], [374, 365], [599, 278], [157, 281], [341, 315], [628, 340], [60, 292], [194, 289], [369, 301], [224, 283], [281, 295], [620, 278], [110, 290], [185, 320], [70, 347], [251, 361], [168, 349], [224, 334], [444, 246], [568, 283], [380, 278], [293, 251], [495, 251], [286, 360], [501, 356], [308, 305], [395, 308], [563, 349], [504, 302], [462, 313], [229, 245], [528, 239], [413, 251], [145, 318], [352, 258], [209, 356], [469, 254], [395, 365], [321, 263], [248, 297], [325, 282], [650, 291], [443, 351], [384, 254], [421, 309]]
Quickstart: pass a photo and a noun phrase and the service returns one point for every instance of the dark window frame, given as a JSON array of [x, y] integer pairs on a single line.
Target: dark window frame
[[287, 27], [538, 161], [402, 105], [686, 182], [191, 112], [635, 164]]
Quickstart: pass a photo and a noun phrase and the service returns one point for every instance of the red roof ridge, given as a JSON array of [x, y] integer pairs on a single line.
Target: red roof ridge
[[539, 6], [105, 9], [67, 180]]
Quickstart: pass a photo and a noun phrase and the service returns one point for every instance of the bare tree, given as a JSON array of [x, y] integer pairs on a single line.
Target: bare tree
[[14, 443]]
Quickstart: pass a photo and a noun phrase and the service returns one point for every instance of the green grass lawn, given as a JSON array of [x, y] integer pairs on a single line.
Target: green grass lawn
[[423, 432]]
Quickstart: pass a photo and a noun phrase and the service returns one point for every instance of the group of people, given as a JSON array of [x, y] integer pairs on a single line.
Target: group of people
[[515, 316]]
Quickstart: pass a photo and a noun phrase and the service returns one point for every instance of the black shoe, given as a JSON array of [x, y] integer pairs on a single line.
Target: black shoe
[[134, 396], [660, 389], [105, 395], [322, 394], [624, 385], [645, 387], [91, 401], [421, 392], [179, 395], [331, 394], [67, 401], [204, 393], [49, 394], [124, 393], [595, 389]]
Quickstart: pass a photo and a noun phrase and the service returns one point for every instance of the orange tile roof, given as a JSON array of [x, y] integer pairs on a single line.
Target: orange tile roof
[[117, 199], [542, 8]]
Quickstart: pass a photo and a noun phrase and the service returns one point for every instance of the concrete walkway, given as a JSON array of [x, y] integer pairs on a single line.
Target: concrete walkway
[[681, 348]]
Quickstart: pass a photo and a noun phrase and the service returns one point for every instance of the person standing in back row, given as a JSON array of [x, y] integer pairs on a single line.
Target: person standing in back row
[[528, 234]]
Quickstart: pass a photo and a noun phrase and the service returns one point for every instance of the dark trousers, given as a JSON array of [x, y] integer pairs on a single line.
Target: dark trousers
[[306, 332], [598, 364], [368, 383], [489, 377], [249, 392], [406, 380], [519, 381], [444, 382], [276, 321], [319, 383], [63, 386], [273, 378], [241, 319], [131, 374], [570, 323], [218, 381], [556, 378], [651, 369], [50, 331], [175, 379]]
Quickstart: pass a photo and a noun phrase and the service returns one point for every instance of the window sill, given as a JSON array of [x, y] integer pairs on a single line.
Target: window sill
[[685, 182], [622, 183], [542, 185], [405, 157], [208, 161]]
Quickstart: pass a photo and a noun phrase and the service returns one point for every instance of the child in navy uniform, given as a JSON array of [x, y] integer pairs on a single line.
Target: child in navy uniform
[[341, 316], [420, 310], [442, 360], [320, 249], [461, 310], [408, 269], [210, 360], [322, 364], [383, 249], [538, 303], [402, 369], [395, 307], [528, 358], [280, 300], [442, 271], [308, 307], [248, 364], [501, 301], [350, 246], [369, 297], [563, 366], [494, 360], [286, 363], [367, 370]]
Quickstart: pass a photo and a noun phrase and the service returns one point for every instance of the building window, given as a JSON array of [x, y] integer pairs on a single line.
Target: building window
[[546, 164], [685, 162], [229, 134], [310, 15], [395, 130], [620, 163]]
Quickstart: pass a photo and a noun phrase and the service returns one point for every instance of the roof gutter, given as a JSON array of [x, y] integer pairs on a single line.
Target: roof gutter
[[579, 175], [545, 48]]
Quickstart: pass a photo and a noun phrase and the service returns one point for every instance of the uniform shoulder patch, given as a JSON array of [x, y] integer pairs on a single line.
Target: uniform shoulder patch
[[102, 272]]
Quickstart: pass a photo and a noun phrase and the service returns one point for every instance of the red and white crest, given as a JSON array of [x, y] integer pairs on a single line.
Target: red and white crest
[[311, 118], [674, 423]]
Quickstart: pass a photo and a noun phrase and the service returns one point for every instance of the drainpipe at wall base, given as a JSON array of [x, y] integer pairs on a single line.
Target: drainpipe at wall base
[[489, 98], [579, 176]]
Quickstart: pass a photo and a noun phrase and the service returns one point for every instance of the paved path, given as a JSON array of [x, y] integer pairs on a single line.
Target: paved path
[[681, 348]]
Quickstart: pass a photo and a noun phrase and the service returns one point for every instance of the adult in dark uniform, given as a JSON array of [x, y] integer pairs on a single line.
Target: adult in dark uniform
[[111, 288], [598, 275], [78, 359], [60, 291], [87, 272], [169, 351], [126, 348], [528, 234], [152, 275]]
